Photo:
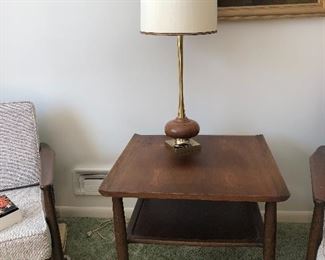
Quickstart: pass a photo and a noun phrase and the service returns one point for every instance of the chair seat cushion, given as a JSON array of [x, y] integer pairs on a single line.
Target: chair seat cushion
[[321, 251], [29, 239]]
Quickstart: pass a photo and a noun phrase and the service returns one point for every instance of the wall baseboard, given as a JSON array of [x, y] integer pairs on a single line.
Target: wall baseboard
[[294, 216], [91, 212], [106, 212]]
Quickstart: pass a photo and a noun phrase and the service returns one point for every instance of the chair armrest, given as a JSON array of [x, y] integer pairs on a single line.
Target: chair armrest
[[47, 174], [47, 165], [317, 169]]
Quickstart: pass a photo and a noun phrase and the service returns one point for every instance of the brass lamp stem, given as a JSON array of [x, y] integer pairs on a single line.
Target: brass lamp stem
[[181, 108], [182, 129]]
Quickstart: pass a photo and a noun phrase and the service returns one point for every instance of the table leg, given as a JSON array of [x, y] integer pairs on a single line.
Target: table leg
[[120, 229], [316, 231], [270, 221]]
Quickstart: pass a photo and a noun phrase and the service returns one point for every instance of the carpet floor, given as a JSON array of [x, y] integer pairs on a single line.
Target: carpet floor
[[291, 244]]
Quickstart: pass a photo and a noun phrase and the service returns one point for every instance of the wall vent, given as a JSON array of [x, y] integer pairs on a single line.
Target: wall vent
[[87, 181]]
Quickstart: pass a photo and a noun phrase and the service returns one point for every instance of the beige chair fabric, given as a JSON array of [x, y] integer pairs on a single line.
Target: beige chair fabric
[[19, 180], [19, 146], [29, 239]]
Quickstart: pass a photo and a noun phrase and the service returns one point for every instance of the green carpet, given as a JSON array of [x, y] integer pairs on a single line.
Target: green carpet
[[291, 244]]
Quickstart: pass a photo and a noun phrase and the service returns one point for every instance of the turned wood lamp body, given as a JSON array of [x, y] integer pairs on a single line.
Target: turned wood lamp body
[[179, 18]]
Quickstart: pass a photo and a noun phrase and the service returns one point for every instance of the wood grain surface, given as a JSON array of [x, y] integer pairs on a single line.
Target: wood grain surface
[[227, 168], [196, 223]]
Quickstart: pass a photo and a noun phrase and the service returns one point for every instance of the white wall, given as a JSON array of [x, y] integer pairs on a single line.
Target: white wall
[[95, 81]]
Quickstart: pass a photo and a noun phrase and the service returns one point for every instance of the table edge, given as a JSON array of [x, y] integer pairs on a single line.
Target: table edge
[[235, 197], [246, 198]]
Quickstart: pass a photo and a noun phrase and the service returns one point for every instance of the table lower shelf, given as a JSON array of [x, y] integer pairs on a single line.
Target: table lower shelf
[[197, 223]]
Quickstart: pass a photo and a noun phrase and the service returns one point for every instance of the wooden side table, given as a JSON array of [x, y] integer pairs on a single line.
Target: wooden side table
[[317, 169], [207, 198]]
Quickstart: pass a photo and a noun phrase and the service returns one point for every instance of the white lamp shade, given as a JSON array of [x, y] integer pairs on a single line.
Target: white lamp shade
[[178, 17]]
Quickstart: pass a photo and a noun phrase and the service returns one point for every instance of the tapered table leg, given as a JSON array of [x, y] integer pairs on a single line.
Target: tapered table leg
[[270, 221], [120, 229], [316, 231]]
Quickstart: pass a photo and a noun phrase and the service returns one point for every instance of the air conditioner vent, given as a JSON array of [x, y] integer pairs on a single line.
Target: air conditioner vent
[[87, 181]]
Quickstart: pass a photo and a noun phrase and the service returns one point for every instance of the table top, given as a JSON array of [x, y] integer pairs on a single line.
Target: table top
[[317, 168], [227, 168]]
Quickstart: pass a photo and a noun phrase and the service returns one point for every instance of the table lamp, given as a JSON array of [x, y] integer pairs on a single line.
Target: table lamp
[[179, 18]]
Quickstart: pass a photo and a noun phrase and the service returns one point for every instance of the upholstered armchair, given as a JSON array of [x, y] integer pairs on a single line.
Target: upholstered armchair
[[316, 243], [26, 177]]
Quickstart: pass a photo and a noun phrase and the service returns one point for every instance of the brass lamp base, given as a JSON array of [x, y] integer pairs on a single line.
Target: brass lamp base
[[182, 130], [183, 145]]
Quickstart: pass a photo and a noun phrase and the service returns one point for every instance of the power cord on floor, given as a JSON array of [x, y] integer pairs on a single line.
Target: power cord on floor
[[97, 230]]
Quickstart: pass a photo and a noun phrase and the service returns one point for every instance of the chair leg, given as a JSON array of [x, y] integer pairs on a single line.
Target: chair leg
[[316, 231], [49, 201]]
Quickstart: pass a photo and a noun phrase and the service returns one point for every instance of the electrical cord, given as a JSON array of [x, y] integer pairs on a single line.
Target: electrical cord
[[97, 230]]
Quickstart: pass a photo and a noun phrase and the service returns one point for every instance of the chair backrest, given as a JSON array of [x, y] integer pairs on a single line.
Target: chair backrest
[[19, 146]]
